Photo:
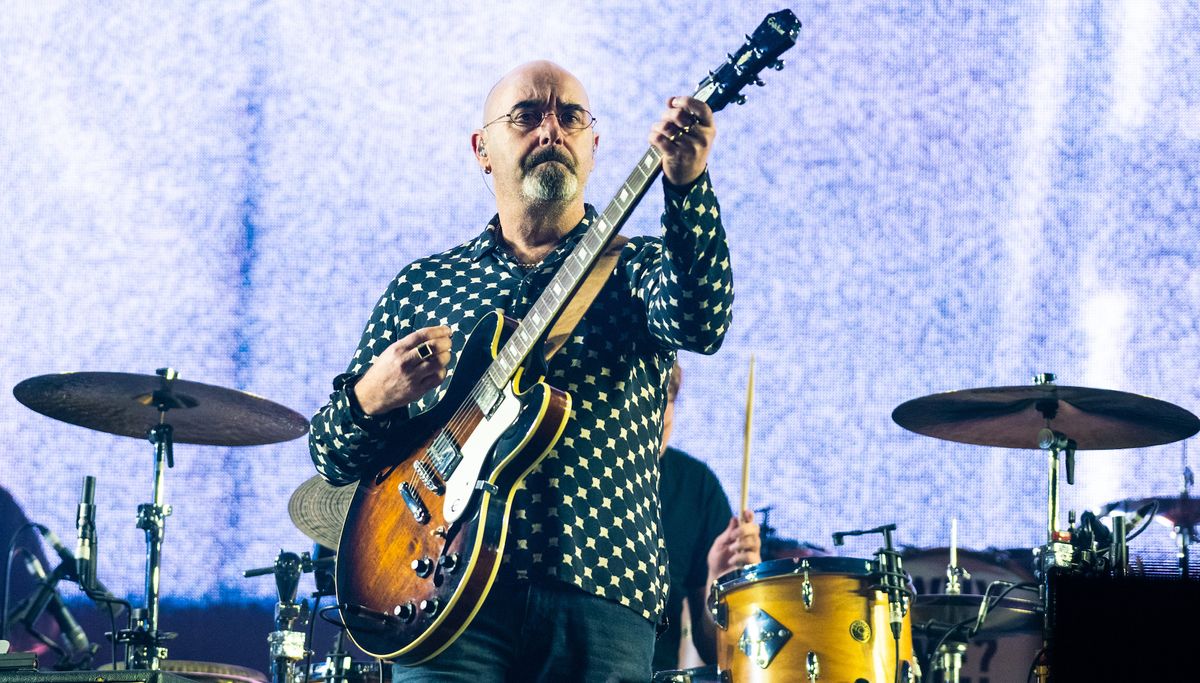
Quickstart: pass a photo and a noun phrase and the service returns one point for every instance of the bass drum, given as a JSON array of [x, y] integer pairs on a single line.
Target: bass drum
[[994, 658], [812, 619]]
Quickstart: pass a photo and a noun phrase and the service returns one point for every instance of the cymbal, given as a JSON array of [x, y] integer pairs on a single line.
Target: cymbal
[[1178, 510], [126, 404], [319, 508], [1011, 417], [939, 612]]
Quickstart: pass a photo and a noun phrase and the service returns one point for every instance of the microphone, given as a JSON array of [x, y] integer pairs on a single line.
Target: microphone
[[85, 528], [69, 564], [47, 599]]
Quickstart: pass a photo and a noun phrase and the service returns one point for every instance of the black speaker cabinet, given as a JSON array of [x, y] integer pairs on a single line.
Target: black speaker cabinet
[[1124, 629]]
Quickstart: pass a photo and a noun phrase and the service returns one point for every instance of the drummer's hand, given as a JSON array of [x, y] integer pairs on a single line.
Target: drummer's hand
[[736, 547], [405, 371]]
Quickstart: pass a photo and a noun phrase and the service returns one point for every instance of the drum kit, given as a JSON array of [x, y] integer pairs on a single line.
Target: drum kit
[[804, 618], [822, 618]]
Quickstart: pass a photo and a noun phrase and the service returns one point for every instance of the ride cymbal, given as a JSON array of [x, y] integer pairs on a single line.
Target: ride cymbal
[[128, 405], [1011, 417], [318, 509]]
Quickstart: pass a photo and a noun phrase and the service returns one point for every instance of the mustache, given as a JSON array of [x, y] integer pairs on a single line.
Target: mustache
[[549, 154]]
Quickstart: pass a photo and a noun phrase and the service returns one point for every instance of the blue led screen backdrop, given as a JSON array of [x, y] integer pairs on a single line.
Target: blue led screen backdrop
[[931, 196]]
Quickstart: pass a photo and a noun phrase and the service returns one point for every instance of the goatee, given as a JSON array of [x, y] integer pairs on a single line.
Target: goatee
[[549, 182]]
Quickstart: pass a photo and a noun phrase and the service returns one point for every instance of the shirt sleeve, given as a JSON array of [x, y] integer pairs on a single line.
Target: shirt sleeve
[[343, 440], [684, 279]]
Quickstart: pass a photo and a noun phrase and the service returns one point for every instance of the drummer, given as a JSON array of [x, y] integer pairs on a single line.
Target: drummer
[[704, 541]]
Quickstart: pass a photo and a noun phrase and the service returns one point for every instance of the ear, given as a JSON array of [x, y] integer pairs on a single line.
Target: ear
[[478, 148]]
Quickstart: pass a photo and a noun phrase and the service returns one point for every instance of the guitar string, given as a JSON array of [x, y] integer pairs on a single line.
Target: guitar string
[[458, 427]]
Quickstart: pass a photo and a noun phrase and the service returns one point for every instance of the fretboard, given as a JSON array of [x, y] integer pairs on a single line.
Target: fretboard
[[574, 270]]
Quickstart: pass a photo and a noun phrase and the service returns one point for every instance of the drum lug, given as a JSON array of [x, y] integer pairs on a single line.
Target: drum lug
[[717, 609], [813, 666]]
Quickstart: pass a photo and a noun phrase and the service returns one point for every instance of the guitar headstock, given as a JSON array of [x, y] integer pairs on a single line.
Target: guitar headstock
[[774, 36]]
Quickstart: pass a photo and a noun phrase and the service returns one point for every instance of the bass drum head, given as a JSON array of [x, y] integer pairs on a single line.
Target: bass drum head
[[997, 658]]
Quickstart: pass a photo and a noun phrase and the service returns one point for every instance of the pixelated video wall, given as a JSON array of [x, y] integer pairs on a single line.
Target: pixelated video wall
[[931, 196]]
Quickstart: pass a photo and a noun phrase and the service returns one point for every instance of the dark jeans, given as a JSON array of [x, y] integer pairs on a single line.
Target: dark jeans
[[548, 632]]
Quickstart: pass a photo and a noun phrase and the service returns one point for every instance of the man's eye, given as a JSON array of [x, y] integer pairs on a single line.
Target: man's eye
[[526, 118], [573, 117]]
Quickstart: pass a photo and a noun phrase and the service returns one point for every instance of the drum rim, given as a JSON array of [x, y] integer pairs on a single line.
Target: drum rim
[[790, 566]]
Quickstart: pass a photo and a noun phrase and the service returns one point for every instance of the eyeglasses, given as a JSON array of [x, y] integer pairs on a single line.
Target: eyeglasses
[[572, 118]]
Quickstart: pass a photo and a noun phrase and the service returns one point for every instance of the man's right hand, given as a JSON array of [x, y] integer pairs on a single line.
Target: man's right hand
[[405, 371]]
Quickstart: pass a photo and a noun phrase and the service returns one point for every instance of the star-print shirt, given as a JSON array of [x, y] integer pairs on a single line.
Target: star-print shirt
[[588, 514]]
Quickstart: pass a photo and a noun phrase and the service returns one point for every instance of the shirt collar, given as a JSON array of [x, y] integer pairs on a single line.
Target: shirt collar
[[488, 241]]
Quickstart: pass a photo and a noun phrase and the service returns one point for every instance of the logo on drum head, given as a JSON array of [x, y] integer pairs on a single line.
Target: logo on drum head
[[860, 630]]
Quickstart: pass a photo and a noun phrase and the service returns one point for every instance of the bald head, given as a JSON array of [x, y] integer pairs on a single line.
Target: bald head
[[533, 81]]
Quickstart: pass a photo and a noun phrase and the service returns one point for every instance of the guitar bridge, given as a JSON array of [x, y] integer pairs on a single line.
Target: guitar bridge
[[415, 505], [428, 478]]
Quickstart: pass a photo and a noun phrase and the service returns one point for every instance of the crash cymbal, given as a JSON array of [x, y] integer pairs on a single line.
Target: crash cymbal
[[938, 613], [319, 508], [127, 405], [1178, 510], [1011, 417]]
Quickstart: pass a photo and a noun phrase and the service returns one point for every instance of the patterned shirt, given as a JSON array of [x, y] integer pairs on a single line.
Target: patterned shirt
[[588, 513]]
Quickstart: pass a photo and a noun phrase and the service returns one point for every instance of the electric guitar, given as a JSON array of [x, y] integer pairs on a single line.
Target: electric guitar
[[425, 532]]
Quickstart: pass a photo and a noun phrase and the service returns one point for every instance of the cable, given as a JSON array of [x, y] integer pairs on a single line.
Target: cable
[[1145, 523], [308, 639], [339, 623], [12, 544]]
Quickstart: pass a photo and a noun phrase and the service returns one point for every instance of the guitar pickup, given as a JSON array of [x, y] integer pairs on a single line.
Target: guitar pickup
[[445, 455], [415, 505]]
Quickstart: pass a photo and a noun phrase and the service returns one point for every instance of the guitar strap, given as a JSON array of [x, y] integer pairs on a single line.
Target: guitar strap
[[584, 296]]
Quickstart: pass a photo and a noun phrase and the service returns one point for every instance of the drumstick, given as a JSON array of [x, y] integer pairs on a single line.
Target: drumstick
[[746, 440]]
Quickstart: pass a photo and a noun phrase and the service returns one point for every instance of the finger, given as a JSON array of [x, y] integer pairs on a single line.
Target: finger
[[701, 111], [425, 334]]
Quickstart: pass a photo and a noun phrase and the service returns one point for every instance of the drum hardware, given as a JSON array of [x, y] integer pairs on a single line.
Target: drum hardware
[[137, 406], [1065, 420], [891, 574], [288, 642]]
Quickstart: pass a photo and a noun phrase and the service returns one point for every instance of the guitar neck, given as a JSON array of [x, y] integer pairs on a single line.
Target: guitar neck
[[574, 270]]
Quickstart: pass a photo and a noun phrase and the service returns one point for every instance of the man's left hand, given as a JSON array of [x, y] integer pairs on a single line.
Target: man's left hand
[[684, 136]]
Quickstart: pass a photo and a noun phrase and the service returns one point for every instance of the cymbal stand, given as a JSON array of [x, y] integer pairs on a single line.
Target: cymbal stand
[[1058, 554], [1185, 534], [143, 640], [288, 640], [950, 653]]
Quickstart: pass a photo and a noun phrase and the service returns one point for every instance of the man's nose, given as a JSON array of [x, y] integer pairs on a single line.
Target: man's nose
[[550, 130]]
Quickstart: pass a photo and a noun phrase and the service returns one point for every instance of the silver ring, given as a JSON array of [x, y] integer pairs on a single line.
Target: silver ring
[[424, 350]]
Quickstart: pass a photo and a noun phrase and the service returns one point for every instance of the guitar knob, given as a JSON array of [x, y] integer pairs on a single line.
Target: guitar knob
[[405, 612], [431, 606], [422, 567], [448, 562]]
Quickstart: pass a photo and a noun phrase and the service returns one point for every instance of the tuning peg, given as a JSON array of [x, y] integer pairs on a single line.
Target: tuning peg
[[741, 99], [759, 82], [777, 64]]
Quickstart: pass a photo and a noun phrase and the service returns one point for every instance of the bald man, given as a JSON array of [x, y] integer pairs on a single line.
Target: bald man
[[583, 578]]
